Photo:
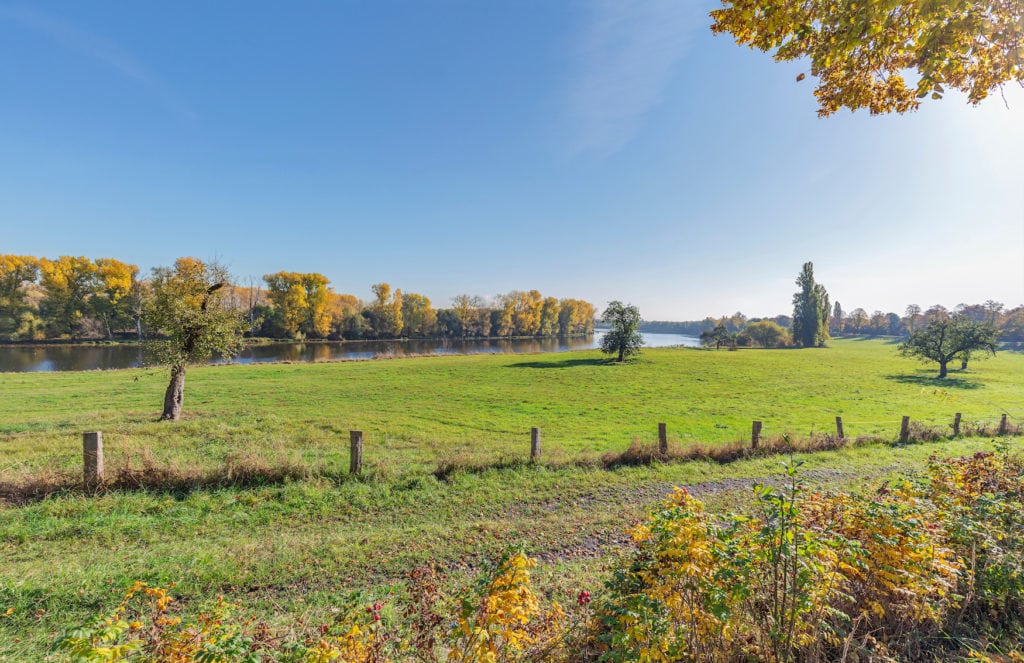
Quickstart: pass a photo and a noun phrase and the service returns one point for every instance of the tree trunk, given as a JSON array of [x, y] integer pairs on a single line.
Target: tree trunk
[[942, 368], [175, 395], [963, 364], [622, 352]]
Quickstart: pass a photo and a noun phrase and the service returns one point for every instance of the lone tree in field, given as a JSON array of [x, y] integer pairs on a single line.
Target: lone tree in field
[[624, 336], [859, 51], [945, 339], [716, 336], [810, 310], [187, 312]]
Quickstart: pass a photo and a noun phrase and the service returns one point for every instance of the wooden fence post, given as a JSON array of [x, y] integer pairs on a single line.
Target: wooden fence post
[[662, 440], [1003, 425], [956, 425], [92, 456], [905, 430], [355, 459], [534, 444], [839, 427], [755, 435]]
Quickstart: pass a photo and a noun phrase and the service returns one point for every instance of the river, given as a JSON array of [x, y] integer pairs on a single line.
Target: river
[[44, 358]]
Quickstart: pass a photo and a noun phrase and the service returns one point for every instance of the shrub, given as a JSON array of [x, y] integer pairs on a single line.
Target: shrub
[[899, 573]]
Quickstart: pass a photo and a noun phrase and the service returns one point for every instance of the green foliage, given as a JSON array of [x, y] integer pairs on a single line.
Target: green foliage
[[716, 336], [623, 338], [767, 334], [811, 310], [860, 51], [944, 339], [186, 311]]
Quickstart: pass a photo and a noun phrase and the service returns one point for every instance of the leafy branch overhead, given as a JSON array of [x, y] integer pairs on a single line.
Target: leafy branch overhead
[[861, 50]]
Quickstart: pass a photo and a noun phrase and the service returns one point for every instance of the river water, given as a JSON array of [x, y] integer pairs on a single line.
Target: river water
[[34, 358]]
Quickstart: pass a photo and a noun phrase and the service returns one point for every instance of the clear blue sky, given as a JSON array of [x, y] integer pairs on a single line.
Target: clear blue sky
[[604, 150]]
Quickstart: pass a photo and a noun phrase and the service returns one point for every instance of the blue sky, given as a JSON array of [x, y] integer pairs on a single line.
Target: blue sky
[[604, 150]]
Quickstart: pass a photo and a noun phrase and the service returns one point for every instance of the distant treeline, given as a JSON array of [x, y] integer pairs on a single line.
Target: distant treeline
[[738, 330], [80, 298], [734, 323], [1009, 322]]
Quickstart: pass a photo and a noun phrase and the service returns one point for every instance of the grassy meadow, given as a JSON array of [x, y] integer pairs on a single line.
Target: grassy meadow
[[415, 411], [291, 550]]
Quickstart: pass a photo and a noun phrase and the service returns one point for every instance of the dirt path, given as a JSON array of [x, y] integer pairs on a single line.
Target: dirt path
[[634, 498]]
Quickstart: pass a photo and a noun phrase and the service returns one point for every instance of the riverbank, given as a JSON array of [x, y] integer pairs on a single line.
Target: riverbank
[[77, 357], [263, 340]]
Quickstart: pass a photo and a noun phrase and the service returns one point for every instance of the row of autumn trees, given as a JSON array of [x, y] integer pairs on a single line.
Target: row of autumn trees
[[79, 298], [297, 305]]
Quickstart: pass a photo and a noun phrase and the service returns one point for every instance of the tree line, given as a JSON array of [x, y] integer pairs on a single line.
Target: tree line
[[738, 330], [74, 297], [815, 320]]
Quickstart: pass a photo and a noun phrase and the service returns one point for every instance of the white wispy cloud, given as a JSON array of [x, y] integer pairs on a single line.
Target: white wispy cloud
[[91, 45], [625, 58]]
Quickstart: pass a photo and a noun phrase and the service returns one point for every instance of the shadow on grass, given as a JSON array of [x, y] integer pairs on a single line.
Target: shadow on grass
[[888, 340], [932, 381], [566, 363]]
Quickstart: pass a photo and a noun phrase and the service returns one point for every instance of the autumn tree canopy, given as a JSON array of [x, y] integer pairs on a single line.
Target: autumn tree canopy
[[860, 50], [75, 297]]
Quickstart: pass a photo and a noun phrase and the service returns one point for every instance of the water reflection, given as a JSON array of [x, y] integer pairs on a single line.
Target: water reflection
[[20, 359]]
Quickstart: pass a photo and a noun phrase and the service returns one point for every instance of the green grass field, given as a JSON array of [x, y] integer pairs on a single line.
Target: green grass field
[[413, 411], [293, 549]]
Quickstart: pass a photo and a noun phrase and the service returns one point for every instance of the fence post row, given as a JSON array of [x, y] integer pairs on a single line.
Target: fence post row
[[93, 470], [92, 457], [905, 430], [355, 461]]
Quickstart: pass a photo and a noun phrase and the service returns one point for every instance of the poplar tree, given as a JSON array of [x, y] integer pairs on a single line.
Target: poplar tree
[[810, 310]]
